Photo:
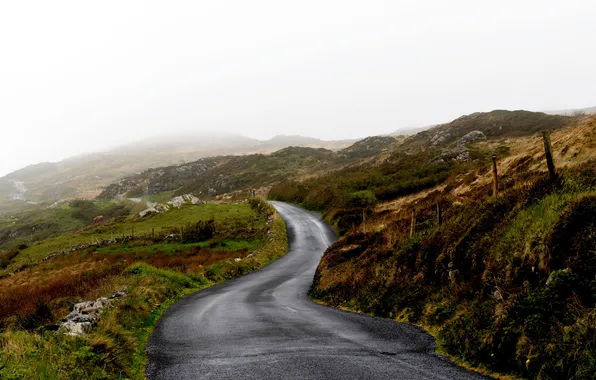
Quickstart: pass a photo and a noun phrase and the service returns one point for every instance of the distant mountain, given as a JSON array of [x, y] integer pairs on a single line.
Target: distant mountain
[[85, 176], [574, 112], [410, 131]]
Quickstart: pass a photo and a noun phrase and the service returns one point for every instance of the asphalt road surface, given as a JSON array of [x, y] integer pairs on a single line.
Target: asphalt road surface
[[263, 326]]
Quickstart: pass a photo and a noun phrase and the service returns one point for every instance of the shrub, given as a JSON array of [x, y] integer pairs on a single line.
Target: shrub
[[363, 198], [199, 231]]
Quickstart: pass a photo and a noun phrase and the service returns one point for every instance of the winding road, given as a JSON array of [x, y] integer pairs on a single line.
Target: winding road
[[263, 326]]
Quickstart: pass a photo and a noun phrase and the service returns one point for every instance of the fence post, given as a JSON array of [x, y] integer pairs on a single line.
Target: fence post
[[413, 223], [439, 214], [364, 220], [495, 178], [549, 155]]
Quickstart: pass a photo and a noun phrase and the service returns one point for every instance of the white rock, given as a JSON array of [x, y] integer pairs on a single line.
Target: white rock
[[76, 329]]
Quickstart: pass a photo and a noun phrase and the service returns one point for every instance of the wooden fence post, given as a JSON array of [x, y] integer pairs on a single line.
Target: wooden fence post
[[364, 220], [495, 178], [413, 223], [549, 154], [439, 214]]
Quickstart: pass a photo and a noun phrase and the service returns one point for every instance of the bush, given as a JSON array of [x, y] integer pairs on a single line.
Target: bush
[[364, 198], [199, 231], [6, 258], [84, 210]]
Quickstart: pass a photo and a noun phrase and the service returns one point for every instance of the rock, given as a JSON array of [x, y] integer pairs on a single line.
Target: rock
[[119, 294], [177, 202], [85, 315], [192, 199], [76, 328], [156, 208], [90, 310], [471, 137], [439, 138]]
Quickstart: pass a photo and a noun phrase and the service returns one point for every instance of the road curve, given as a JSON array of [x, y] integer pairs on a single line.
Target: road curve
[[263, 326]]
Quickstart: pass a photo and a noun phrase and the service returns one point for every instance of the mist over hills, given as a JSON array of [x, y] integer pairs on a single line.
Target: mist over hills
[[85, 175], [574, 111]]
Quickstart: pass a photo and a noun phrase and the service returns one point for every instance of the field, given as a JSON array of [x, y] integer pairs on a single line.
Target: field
[[228, 240], [225, 216]]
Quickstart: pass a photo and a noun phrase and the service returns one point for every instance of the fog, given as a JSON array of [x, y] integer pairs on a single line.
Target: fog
[[85, 76]]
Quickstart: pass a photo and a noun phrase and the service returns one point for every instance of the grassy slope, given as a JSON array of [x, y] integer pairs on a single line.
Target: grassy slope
[[30, 227], [234, 215], [115, 348], [231, 173], [506, 285]]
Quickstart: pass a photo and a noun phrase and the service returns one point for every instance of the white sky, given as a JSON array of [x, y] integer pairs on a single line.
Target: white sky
[[85, 75]]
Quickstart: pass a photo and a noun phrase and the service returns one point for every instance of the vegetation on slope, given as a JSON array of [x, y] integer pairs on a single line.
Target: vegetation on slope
[[494, 124], [29, 227], [85, 176], [32, 300], [505, 283]]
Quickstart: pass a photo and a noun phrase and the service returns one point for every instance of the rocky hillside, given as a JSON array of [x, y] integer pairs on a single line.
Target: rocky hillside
[[419, 162], [494, 125], [85, 176], [213, 176], [371, 146], [506, 283], [224, 174]]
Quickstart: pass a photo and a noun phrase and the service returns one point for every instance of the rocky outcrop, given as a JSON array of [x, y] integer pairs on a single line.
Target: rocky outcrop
[[85, 315], [460, 152], [177, 202], [154, 208], [157, 180], [471, 137], [439, 138]]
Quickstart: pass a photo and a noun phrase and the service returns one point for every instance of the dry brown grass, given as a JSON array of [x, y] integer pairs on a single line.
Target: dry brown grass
[[81, 276], [572, 146]]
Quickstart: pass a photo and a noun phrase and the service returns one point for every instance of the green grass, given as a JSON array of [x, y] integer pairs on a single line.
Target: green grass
[[506, 284], [231, 245], [227, 217], [115, 348]]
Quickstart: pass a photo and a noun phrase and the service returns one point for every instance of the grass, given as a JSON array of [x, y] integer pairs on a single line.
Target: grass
[[504, 284], [115, 348], [227, 217]]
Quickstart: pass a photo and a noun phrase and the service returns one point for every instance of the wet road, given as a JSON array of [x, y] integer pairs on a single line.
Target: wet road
[[263, 326]]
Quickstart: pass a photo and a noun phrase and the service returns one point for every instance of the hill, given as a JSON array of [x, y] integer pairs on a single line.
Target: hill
[[504, 283], [209, 177], [495, 124], [85, 176], [574, 112]]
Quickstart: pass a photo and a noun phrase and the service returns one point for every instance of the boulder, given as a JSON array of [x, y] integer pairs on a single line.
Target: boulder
[[439, 138], [156, 208], [471, 137], [184, 199], [85, 315]]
